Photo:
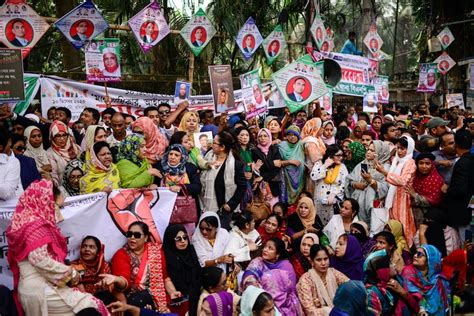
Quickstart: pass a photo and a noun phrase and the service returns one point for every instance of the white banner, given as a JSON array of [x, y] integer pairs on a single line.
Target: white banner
[[99, 216]]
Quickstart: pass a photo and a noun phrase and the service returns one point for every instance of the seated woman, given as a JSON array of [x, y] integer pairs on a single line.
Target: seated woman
[[194, 154], [350, 299], [102, 174], [210, 240], [257, 302], [71, 178], [348, 257], [341, 223], [425, 282], [271, 227], [91, 265], [377, 276], [155, 141], [329, 176], [317, 287], [35, 150], [365, 184], [184, 271], [63, 149], [305, 220], [396, 228], [281, 209], [386, 241], [214, 280], [360, 230], [218, 304], [300, 259], [134, 169], [143, 265], [36, 254], [274, 273]]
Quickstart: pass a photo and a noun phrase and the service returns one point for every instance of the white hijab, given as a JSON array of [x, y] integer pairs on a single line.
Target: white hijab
[[397, 167], [38, 154], [203, 248]]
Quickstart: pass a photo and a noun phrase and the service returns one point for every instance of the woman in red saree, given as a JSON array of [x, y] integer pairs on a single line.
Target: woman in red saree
[[142, 263]]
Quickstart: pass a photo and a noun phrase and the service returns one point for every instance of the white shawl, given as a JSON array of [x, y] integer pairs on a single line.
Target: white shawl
[[38, 154], [328, 291]]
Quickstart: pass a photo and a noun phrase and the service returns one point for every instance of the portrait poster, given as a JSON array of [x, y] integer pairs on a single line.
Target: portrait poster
[[82, 24], [182, 91], [373, 41], [103, 60], [328, 43], [274, 44], [445, 63], [427, 78], [252, 94], [373, 69], [11, 75], [325, 102], [318, 31], [445, 37], [21, 27], [315, 54], [471, 76], [369, 102], [222, 88], [198, 32], [249, 38], [149, 26], [203, 141], [455, 99], [381, 89], [300, 82]]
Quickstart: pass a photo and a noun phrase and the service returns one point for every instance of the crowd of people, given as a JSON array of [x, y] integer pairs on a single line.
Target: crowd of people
[[295, 214]]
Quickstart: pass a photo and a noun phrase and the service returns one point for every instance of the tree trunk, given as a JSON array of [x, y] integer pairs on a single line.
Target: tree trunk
[[71, 56]]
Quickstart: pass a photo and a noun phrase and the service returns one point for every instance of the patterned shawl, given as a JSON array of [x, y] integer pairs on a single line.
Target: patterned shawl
[[97, 176], [72, 165], [294, 176], [429, 185], [71, 150], [358, 154]]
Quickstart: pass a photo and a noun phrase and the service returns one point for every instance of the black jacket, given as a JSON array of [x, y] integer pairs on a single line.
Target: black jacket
[[268, 171], [240, 181]]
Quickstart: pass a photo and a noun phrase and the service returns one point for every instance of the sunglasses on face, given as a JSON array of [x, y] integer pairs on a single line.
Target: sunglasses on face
[[419, 254], [136, 235], [20, 148], [164, 112], [181, 238]]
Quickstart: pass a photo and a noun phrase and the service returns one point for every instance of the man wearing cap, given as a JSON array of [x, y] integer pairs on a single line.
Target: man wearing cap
[[437, 126], [111, 65]]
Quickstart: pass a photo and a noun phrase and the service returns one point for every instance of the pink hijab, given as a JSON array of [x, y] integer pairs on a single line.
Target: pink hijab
[[155, 141], [265, 148]]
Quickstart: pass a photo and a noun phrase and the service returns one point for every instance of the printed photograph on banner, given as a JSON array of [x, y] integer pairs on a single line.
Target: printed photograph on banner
[[249, 38], [381, 89], [427, 78], [82, 24], [203, 141], [373, 41], [445, 63], [198, 32], [373, 69], [273, 95], [11, 76], [328, 43], [149, 26], [222, 88], [103, 60], [318, 30], [21, 27], [182, 91], [315, 55], [300, 82], [252, 94], [445, 37], [455, 99], [370, 103], [274, 44], [325, 102]]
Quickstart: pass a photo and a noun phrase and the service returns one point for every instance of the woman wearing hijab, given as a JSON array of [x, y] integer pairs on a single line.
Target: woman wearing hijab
[[354, 155], [330, 176], [194, 154], [399, 176], [314, 147], [426, 191], [377, 121], [94, 134], [329, 132], [360, 127], [102, 174], [71, 178], [267, 166], [365, 184], [184, 269], [425, 282], [377, 276], [360, 230], [155, 141], [317, 287], [348, 257], [301, 259], [133, 166], [218, 304], [292, 152], [36, 254], [35, 150], [402, 249], [350, 299], [257, 302], [63, 149]]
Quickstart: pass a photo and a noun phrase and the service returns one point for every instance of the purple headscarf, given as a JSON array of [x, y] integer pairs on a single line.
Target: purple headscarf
[[351, 263], [221, 303]]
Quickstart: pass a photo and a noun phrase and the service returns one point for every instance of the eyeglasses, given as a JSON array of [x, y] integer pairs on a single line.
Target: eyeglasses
[[338, 155], [138, 132], [136, 235], [20, 148], [61, 135], [419, 254], [181, 238], [208, 229], [164, 112]]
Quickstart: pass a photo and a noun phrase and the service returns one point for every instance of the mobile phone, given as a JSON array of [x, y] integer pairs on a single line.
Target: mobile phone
[[468, 236], [364, 167], [179, 300]]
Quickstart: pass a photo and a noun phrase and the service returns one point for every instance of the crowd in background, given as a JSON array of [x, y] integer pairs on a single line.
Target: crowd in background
[[301, 213]]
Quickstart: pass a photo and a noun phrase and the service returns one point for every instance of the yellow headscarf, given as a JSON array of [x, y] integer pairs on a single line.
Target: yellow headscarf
[[309, 220], [97, 176], [396, 229]]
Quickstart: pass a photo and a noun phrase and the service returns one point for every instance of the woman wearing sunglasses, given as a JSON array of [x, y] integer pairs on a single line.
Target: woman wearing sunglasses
[[143, 265], [184, 271]]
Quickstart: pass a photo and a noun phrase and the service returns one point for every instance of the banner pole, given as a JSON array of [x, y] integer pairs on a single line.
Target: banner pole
[[108, 102]]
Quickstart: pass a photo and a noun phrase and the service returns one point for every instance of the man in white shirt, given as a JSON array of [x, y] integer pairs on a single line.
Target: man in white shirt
[[9, 170]]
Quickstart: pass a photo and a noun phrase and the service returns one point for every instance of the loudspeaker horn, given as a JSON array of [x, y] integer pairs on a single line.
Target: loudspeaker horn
[[332, 72]]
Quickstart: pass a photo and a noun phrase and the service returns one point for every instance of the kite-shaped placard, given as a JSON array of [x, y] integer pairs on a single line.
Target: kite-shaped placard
[[445, 63], [373, 41], [445, 37], [249, 38], [274, 44], [318, 31], [197, 33]]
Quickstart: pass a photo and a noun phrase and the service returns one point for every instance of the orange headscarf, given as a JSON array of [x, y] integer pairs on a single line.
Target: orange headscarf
[[310, 133]]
